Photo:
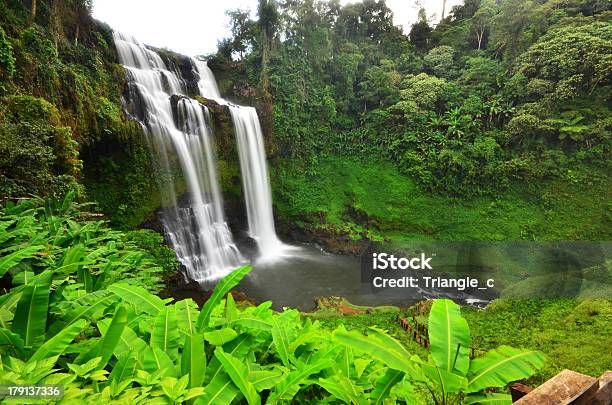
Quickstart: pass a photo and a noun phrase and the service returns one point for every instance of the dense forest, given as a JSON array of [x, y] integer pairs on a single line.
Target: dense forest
[[490, 124], [501, 111]]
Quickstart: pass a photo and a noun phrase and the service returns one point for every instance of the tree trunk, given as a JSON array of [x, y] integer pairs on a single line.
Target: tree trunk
[[55, 25], [265, 61], [480, 35], [32, 16], [443, 9]]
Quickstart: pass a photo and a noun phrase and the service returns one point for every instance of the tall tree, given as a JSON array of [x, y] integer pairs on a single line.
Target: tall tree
[[243, 31], [268, 23], [518, 24], [420, 33], [33, 8], [481, 22]]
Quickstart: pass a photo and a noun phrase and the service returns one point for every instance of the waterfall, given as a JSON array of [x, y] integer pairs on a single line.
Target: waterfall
[[253, 167], [198, 232]]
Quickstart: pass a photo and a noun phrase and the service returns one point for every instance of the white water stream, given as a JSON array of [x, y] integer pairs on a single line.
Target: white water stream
[[198, 232], [253, 168], [198, 229]]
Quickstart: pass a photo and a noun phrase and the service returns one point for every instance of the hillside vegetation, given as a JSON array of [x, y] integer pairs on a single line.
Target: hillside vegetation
[[499, 116]]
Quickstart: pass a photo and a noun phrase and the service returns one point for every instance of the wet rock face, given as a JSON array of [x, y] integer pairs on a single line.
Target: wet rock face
[[181, 65], [328, 239], [246, 244], [132, 102], [174, 100], [188, 73]]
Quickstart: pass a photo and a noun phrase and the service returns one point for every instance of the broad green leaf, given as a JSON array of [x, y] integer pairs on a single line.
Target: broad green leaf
[[238, 347], [186, 315], [162, 361], [281, 341], [449, 336], [501, 366], [379, 350], [344, 361], [384, 385], [488, 399], [231, 312], [307, 334], [72, 260], [89, 305], [444, 381], [23, 277], [361, 365], [84, 369], [8, 338], [264, 380], [165, 335], [336, 390], [110, 339], [251, 322], [192, 393], [58, 343], [142, 300], [225, 285], [343, 388], [31, 313], [239, 375], [129, 341], [392, 343], [9, 300], [220, 390], [193, 359], [124, 369], [11, 260], [286, 389], [23, 228], [174, 388], [219, 337]]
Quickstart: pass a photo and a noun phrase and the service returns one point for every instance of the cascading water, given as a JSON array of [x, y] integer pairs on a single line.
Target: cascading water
[[253, 167], [199, 232]]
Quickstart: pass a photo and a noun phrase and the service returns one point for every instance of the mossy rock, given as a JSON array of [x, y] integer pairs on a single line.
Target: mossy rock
[[327, 306]]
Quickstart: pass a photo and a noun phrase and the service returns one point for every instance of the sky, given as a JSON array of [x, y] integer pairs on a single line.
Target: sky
[[193, 27]]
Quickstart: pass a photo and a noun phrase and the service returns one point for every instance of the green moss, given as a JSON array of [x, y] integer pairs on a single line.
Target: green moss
[[37, 154], [572, 334], [343, 193], [118, 177], [229, 178]]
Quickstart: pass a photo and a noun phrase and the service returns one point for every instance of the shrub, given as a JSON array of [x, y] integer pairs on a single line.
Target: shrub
[[7, 59]]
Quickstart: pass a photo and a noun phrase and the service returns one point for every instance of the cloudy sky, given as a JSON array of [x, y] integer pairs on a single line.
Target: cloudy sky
[[193, 27]]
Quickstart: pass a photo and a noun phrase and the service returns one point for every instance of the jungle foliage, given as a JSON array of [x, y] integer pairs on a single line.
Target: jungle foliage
[[497, 94]]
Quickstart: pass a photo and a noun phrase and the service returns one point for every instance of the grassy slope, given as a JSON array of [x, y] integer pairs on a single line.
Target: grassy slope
[[572, 334], [373, 199]]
